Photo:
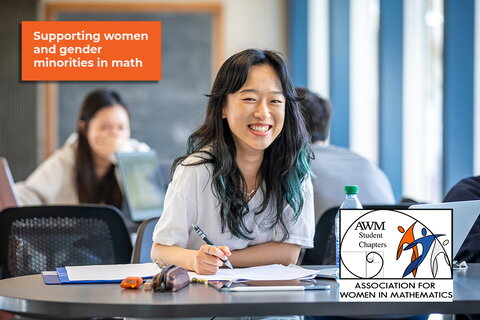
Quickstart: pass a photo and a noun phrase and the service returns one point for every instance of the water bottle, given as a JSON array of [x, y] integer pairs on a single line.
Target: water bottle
[[350, 202]]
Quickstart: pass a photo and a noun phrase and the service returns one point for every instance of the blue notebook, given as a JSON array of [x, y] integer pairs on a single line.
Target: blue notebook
[[61, 277], [116, 273], [50, 277]]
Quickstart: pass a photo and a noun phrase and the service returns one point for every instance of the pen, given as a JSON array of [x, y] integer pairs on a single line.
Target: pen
[[207, 241]]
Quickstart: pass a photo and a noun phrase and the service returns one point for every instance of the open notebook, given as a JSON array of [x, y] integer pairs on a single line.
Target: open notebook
[[115, 273]]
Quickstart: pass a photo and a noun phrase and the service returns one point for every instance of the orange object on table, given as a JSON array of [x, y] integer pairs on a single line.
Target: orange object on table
[[131, 282]]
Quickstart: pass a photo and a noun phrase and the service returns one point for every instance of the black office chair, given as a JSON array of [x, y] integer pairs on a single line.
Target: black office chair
[[35, 239], [323, 251], [143, 244]]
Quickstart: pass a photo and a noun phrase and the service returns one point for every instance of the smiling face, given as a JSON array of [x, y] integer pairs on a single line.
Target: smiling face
[[256, 112]]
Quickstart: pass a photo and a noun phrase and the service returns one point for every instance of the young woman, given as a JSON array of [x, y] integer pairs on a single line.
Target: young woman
[[83, 170], [245, 178]]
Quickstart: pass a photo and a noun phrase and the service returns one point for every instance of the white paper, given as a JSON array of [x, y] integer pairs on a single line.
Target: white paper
[[328, 273], [112, 271], [269, 272]]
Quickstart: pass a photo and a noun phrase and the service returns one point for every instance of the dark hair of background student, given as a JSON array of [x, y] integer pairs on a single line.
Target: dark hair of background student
[[286, 161], [90, 188], [317, 112]]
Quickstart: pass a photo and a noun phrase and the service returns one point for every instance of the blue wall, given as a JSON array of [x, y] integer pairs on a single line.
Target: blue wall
[[298, 45], [391, 92], [458, 95], [340, 71]]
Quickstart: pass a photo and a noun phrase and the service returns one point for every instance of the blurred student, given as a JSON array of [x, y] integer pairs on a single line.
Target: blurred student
[[336, 167], [465, 190], [83, 170], [245, 178]]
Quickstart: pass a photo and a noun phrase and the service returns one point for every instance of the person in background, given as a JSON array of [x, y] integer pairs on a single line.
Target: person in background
[[336, 167], [245, 178], [83, 170], [464, 190], [467, 189]]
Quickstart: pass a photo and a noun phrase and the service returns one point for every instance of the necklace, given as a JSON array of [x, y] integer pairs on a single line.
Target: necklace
[[248, 195]]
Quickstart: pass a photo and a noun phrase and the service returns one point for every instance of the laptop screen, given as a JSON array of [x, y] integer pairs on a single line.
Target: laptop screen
[[465, 214], [143, 183], [8, 196]]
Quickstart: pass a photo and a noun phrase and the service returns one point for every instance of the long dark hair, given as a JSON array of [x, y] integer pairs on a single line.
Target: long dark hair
[[286, 161], [90, 189]]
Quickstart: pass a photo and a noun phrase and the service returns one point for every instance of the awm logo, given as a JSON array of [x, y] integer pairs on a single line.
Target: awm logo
[[370, 225]]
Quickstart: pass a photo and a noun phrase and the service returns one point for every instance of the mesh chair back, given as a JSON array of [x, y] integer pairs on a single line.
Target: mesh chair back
[[323, 251], [143, 244], [35, 239]]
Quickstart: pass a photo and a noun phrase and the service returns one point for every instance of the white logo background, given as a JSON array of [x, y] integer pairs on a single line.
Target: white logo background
[[370, 241]]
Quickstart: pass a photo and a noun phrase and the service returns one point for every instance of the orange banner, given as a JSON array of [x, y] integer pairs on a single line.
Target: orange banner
[[91, 50]]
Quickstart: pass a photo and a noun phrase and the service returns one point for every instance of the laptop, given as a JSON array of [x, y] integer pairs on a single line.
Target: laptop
[[144, 184], [465, 214], [8, 194]]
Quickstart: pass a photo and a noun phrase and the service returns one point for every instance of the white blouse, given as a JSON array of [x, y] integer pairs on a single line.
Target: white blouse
[[190, 199]]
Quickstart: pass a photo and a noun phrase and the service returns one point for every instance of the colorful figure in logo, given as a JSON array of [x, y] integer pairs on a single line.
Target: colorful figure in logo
[[408, 238], [426, 242]]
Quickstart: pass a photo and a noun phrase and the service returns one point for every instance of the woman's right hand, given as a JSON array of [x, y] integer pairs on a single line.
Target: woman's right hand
[[209, 259], [105, 145]]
